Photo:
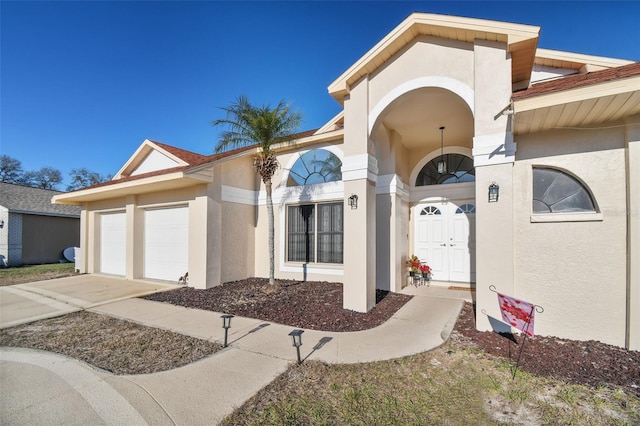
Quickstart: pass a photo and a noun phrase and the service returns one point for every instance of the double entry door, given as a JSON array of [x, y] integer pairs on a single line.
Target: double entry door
[[444, 237]]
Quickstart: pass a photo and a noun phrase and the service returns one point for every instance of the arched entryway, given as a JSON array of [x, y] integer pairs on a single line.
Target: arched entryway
[[406, 137]]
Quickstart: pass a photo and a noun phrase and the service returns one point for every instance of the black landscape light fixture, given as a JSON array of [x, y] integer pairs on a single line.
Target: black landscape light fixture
[[1, 223], [442, 163], [353, 201], [494, 192], [296, 335], [226, 324]]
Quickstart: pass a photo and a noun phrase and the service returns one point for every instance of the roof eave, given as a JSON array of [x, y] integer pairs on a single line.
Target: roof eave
[[521, 40], [115, 189], [560, 97]]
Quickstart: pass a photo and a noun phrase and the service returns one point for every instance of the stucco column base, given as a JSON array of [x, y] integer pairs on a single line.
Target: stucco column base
[[359, 288], [494, 242]]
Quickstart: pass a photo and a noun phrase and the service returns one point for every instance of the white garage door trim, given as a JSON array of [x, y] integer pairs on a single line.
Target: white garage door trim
[[166, 243], [113, 243]]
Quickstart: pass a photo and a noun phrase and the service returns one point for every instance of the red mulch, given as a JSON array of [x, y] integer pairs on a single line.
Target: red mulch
[[586, 362], [310, 305]]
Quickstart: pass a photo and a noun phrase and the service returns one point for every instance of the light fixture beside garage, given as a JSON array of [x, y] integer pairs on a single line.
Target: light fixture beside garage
[[442, 163]]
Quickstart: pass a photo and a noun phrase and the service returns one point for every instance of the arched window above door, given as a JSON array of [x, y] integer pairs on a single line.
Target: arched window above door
[[459, 169], [315, 166]]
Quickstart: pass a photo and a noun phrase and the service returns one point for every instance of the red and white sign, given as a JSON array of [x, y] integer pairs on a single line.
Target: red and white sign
[[517, 313]]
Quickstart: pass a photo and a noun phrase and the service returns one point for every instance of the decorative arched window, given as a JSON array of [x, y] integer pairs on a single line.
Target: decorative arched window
[[430, 211], [466, 209], [315, 166], [555, 191], [460, 169]]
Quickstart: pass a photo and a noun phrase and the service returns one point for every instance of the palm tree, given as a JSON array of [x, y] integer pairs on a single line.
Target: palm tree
[[263, 126]]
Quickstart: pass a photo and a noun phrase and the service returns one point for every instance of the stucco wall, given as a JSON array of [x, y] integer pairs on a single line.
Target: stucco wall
[[238, 241], [239, 173], [415, 62], [576, 270]]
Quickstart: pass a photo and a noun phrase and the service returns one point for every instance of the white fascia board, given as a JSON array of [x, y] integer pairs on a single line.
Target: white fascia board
[[581, 59], [116, 189]]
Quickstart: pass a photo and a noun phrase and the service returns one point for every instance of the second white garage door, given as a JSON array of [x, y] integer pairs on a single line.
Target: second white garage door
[[166, 243]]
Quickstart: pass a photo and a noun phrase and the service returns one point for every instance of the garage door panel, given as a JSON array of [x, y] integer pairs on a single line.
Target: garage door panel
[[166, 243], [113, 243]]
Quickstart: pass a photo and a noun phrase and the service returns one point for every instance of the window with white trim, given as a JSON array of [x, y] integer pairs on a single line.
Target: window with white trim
[[315, 166], [315, 233], [555, 191]]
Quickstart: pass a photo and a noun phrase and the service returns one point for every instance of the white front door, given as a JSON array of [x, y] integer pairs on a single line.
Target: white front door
[[166, 243], [445, 239]]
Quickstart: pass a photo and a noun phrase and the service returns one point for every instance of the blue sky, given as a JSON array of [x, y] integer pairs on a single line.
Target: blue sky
[[84, 83]]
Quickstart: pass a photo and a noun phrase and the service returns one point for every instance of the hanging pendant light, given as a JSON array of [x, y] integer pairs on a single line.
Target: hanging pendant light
[[442, 164]]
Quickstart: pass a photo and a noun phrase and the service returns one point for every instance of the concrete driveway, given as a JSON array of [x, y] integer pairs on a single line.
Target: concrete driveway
[[22, 303]]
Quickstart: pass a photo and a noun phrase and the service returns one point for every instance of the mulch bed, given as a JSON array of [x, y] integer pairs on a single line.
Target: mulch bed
[[589, 363], [318, 306], [310, 305]]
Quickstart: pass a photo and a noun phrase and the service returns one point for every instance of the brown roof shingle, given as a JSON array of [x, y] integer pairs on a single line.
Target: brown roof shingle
[[579, 80], [193, 159]]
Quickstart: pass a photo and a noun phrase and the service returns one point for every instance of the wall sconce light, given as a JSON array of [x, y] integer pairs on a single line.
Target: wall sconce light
[[1, 223], [296, 335], [494, 192], [353, 201], [226, 324]]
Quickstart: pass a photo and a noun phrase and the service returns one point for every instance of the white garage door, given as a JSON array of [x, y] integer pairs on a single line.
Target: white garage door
[[113, 243], [166, 243]]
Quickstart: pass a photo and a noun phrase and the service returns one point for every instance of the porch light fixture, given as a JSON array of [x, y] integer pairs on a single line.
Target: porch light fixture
[[296, 335], [353, 201], [494, 192], [1, 223], [226, 324], [442, 164]]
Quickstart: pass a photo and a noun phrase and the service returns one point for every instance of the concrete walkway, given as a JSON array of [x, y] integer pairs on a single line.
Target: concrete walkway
[[24, 303], [39, 387]]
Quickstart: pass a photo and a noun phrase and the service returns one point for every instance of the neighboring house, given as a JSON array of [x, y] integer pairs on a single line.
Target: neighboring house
[[32, 229], [557, 134]]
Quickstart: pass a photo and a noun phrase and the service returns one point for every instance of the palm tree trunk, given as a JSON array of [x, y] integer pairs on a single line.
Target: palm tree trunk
[[267, 185]]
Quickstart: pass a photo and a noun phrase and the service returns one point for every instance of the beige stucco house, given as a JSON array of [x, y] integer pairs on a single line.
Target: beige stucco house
[[433, 115]]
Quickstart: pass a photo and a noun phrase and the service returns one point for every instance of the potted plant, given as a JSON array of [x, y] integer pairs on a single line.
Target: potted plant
[[414, 264], [426, 271]]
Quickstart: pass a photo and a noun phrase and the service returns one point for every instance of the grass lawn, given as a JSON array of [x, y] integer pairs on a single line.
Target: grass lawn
[[448, 385], [30, 273]]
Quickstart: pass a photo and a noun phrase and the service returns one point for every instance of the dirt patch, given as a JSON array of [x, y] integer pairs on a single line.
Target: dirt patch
[[118, 346], [310, 305]]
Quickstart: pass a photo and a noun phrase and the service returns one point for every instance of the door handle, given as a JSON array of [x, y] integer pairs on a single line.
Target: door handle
[[443, 245], [452, 245]]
